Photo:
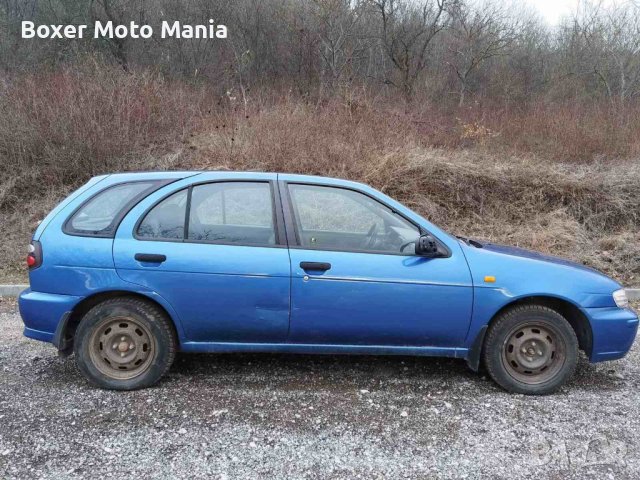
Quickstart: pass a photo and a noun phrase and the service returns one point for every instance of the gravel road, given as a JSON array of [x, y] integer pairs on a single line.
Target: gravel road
[[285, 416]]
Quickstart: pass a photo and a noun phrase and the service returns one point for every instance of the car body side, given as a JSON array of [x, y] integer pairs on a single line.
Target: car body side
[[78, 271]]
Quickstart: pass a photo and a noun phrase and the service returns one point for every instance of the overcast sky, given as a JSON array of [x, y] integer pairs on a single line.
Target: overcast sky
[[553, 10]]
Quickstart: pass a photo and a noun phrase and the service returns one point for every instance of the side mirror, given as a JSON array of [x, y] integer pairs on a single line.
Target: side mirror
[[426, 246]]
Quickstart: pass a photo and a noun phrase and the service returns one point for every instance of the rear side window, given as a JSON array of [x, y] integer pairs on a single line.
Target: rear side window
[[232, 212], [165, 221], [101, 214]]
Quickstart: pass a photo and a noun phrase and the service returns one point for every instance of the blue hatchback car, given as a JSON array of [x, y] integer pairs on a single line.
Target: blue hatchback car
[[132, 268]]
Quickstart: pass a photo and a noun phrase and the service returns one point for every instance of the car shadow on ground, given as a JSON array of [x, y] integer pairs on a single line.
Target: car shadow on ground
[[290, 364], [340, 369], [328, 372]]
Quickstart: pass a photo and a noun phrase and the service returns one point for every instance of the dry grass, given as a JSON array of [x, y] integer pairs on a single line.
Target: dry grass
[[553, 178], [57, 129], [588, 212]]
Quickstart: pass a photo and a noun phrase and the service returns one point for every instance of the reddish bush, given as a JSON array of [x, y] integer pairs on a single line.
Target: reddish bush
[[552, 177]]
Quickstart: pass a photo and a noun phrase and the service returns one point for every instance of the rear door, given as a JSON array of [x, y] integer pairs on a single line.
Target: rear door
[[216, 252]]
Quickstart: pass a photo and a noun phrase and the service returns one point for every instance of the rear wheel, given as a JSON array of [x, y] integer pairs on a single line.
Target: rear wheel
[[125, 344], [531, 349]]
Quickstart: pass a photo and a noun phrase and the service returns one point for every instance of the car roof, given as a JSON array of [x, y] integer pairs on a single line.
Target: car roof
[[177, 175], [150, 175]]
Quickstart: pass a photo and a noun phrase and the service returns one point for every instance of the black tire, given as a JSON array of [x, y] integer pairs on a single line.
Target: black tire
[[530, 349], [134, 329]]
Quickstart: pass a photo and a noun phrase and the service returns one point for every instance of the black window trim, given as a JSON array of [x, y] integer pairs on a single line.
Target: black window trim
[[110, 230], [294, 237], [277, 218]]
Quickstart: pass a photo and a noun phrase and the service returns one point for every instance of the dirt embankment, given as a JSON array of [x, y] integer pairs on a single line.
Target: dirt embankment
[[505, 177]]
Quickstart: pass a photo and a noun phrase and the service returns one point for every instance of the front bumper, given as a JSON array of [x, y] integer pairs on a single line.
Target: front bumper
[[42, 313], [614, 330]]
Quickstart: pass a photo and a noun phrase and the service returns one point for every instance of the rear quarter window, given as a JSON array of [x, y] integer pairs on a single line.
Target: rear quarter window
[[101, 214]]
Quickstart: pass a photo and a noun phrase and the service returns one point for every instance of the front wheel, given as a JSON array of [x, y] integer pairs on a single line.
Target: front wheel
[[124, 344], [531, 349]]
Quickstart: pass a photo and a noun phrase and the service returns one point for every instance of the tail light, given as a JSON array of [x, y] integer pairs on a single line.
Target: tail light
[[34, 258]]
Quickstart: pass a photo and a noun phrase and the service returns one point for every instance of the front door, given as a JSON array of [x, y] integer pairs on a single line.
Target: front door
[[213, 252], [357, 281]]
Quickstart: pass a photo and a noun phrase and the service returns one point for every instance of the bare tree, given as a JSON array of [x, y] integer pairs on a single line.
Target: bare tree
[[408, 30], [13, 13], [610, 38], [477, 35], [426, 47], [340, 44], [115, 11]]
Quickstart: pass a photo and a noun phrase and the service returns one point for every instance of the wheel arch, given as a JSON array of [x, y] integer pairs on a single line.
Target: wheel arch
[[571, 312], [73, 319]]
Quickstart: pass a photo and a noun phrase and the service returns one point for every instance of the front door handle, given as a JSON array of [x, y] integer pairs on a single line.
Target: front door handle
[[150, 257], [315, 266]]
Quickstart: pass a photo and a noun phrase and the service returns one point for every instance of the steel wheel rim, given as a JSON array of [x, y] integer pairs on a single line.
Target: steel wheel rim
[[533, 353], [121, 348]]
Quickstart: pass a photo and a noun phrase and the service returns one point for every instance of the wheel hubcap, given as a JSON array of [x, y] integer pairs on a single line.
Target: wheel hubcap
[[121, 348], [533, 353]]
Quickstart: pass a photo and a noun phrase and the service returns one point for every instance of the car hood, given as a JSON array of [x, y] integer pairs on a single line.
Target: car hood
[[523, 253], [519, 273]]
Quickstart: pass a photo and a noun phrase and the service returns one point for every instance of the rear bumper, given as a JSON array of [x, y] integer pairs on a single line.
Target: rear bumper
[[42, 313], [614, 330]]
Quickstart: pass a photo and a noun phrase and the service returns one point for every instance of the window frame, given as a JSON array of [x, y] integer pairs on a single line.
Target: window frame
[[293, 235], [110, 230], [277, 218]]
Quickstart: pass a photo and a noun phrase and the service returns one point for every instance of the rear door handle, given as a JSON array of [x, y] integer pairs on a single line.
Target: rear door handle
[[315, 266], [150, 257]]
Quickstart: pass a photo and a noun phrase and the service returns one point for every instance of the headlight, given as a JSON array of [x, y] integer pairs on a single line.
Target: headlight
[[620, 297]]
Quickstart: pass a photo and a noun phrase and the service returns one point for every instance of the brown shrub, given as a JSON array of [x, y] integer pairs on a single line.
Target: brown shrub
[[553, 207], [57, 129], [552, 178], [60, 128]]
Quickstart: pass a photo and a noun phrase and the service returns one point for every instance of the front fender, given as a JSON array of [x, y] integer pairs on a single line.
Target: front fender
[[500, 279]]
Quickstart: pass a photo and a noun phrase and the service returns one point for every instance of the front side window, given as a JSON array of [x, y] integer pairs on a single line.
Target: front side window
[[340, 219], [99, 216], [166, 220], [232, 212]]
